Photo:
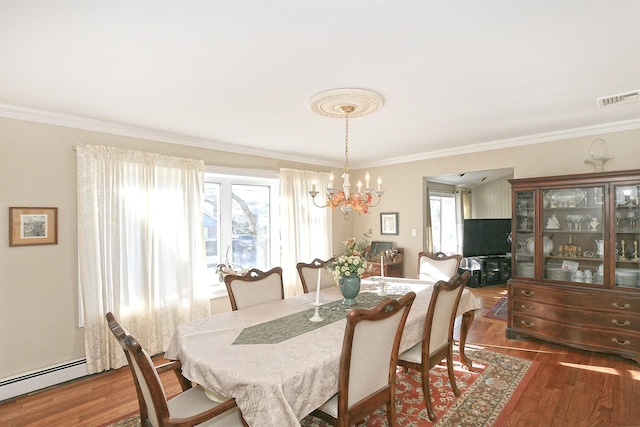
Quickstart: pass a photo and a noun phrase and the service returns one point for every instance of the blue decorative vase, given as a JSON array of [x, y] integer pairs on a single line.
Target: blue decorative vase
[[349, 287]]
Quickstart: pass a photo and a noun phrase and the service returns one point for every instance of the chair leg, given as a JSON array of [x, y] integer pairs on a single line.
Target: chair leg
[[426, 390], [452, 377], [391, 412]]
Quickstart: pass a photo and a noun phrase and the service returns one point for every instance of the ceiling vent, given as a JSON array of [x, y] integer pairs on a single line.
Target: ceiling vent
[[621, 98]]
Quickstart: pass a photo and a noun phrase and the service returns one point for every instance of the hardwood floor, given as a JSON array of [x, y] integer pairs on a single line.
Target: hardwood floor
[[570, 387]]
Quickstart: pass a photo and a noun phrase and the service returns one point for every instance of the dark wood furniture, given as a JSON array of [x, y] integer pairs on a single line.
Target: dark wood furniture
[[437, 338], [190, 408], [254, 287], [493, 270], [367, 376], [308, 274], [392, 268], [576, 277]]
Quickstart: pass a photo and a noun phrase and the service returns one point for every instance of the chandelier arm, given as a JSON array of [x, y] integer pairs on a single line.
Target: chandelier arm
[[379, 196], [313, 198]]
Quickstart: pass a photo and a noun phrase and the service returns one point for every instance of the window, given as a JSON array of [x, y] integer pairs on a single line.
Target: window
[[443, 223], [240, 221]]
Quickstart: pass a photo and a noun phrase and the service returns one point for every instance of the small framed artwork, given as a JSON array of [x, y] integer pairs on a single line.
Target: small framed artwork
[[389, 223], [33, 226]]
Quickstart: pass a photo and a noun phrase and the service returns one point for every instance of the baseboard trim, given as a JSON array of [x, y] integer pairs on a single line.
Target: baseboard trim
[[33, 381]]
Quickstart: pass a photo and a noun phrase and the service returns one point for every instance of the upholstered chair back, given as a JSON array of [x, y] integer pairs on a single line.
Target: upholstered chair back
[[254, 287]]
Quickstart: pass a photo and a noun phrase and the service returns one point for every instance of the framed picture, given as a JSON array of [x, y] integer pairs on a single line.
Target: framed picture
[[389, 223], [33, 226]]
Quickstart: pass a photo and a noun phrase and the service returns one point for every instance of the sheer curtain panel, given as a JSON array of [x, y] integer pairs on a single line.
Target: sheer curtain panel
[[141, 251], [305, 229]]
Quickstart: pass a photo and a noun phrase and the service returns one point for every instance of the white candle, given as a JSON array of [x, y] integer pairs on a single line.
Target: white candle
[[367, 178], [382, 266], [318, 288], [359, 186], [379, 182], [331, 178], [313, 187]]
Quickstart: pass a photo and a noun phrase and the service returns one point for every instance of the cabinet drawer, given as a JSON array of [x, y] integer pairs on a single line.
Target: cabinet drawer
[[592, 300], [616, 321], [585, 337]]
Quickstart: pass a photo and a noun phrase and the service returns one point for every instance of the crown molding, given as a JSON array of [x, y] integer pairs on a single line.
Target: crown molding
[[510, 142], [77, 122]]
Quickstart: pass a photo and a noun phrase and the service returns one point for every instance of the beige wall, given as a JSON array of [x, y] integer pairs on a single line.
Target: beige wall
[[38, 298], [404, 182], [38, 284]]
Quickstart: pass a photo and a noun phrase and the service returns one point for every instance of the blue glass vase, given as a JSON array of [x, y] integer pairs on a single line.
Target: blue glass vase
[[349, 287]]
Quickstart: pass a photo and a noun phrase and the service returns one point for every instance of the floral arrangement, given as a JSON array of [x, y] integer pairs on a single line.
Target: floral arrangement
[[352, 262], [358, 203]]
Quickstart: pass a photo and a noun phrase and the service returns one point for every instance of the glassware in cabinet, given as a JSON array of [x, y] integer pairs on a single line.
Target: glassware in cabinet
[[626, 236], [573, 235], [524, 238]]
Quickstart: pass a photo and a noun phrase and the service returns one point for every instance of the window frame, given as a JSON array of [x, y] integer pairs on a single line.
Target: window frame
[[226, 178]]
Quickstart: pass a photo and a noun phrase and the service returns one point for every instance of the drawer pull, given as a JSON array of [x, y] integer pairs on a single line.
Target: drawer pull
[[528, 294], [625, 323], [621, 307], [526, 307], [527, 324], [625, 342]]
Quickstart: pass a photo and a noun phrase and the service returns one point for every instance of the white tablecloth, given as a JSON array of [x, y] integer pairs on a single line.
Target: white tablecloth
[[278, 384]]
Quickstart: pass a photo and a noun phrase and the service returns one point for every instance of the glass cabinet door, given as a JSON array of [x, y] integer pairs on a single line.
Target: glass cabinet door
[[524, 238], [573, 243], [627, 215]]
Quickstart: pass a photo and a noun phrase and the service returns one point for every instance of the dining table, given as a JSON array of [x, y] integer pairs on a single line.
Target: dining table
[[277, 364]]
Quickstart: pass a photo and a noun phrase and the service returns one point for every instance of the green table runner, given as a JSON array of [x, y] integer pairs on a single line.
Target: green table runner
[[283, 328]]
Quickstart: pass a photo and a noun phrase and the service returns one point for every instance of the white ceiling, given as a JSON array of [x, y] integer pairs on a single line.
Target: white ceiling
[[457, 76]]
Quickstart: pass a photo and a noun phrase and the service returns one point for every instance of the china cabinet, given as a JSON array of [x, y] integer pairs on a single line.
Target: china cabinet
[[576, 276]]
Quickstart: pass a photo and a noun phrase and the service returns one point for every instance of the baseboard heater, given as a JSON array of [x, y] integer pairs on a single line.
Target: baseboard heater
[[43, 378]]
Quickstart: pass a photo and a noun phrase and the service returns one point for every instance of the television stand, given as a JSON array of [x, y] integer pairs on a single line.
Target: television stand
[[488, 270]]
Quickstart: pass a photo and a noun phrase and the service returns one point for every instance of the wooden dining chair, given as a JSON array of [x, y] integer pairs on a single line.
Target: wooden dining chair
[[189, 408], [437, 266], [309, 274], [437, 337], [367, 376], [254, 287]]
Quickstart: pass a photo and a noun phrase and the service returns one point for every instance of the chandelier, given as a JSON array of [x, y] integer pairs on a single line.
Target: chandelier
[[348, 103]]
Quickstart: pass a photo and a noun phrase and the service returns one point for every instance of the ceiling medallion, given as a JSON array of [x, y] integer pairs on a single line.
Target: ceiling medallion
[[330, 103]]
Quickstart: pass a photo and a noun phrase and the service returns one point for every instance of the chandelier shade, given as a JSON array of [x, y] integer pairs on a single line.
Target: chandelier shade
[[346, 103]]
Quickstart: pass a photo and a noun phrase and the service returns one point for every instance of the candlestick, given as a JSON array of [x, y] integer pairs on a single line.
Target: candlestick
[[316, 316], [623, 256], [318, 287], [382, 267]]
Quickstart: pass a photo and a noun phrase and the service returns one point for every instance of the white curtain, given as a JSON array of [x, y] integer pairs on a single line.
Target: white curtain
[[141, 250], [306, 230], [428, 232]]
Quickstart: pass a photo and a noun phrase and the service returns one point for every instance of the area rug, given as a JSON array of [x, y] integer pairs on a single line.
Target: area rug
[[499, 310], [489, 392]]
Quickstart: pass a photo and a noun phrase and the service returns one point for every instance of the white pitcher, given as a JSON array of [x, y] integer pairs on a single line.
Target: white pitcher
[[600, 245]]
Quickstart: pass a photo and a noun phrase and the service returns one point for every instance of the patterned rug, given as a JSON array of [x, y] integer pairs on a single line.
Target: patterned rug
[[488, 394], [499, 310]]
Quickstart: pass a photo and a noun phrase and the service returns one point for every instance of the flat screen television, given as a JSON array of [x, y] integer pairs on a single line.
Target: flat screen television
[[485, 237]]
